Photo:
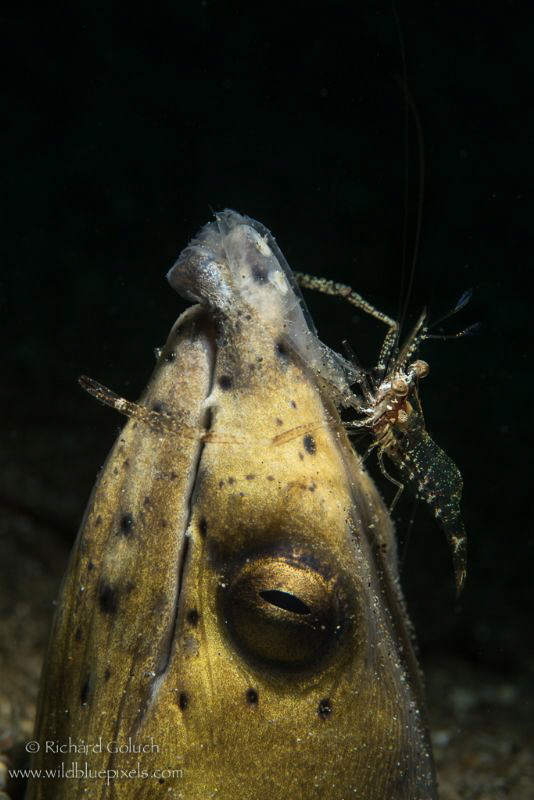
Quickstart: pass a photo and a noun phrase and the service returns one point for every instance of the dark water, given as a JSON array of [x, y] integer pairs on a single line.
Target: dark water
[[123, 131]]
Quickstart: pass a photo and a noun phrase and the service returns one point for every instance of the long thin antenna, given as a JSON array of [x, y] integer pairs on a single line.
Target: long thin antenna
[[461, 303], [405, 292], [407, 535], [406, 188], [420, 192]]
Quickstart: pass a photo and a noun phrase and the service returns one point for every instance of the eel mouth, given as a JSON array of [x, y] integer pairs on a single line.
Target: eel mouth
[[204, 333]]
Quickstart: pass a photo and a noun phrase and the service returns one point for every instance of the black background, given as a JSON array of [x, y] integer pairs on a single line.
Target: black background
[[124, 128]]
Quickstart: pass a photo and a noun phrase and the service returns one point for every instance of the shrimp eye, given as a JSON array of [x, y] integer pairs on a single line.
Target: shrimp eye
[[400, 387], [420, 368]]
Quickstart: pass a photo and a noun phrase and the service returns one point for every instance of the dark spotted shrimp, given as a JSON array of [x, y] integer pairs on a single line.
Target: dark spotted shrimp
[[388, 408]]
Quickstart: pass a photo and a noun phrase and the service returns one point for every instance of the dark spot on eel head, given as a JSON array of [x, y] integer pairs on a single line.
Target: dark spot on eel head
[[183, 700], [90, 565], [107, 674], [259, 274], [324, 708], [127, 524], [281, 351], [159, 408], [78, 634], [250, 477], [98, 520], [252, 697], [225, 382], [193, 617], [293, 404], [309, 444], [84, 693], [203, 527], [107, 598]]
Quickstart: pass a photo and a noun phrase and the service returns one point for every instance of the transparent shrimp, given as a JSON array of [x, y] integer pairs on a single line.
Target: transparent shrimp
[[389, 410]]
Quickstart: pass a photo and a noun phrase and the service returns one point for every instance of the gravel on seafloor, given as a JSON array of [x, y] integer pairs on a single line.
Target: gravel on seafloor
[[482, 731]]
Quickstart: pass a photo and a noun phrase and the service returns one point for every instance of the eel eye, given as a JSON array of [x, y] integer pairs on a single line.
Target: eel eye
[[283, 612]]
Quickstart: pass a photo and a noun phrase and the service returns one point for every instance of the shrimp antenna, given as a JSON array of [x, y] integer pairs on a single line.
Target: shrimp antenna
[[409, 108], [463, 300], [471, 330], [408, 534], [420, 191], [362, 377]]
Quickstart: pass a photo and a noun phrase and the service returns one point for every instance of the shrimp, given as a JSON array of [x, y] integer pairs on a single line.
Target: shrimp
[[389, 410]]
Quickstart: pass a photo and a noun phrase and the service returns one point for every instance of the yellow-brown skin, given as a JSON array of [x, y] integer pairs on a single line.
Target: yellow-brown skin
[[162, 633]]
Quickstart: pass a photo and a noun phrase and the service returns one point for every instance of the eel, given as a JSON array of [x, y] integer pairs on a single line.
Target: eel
[[231, 624]]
